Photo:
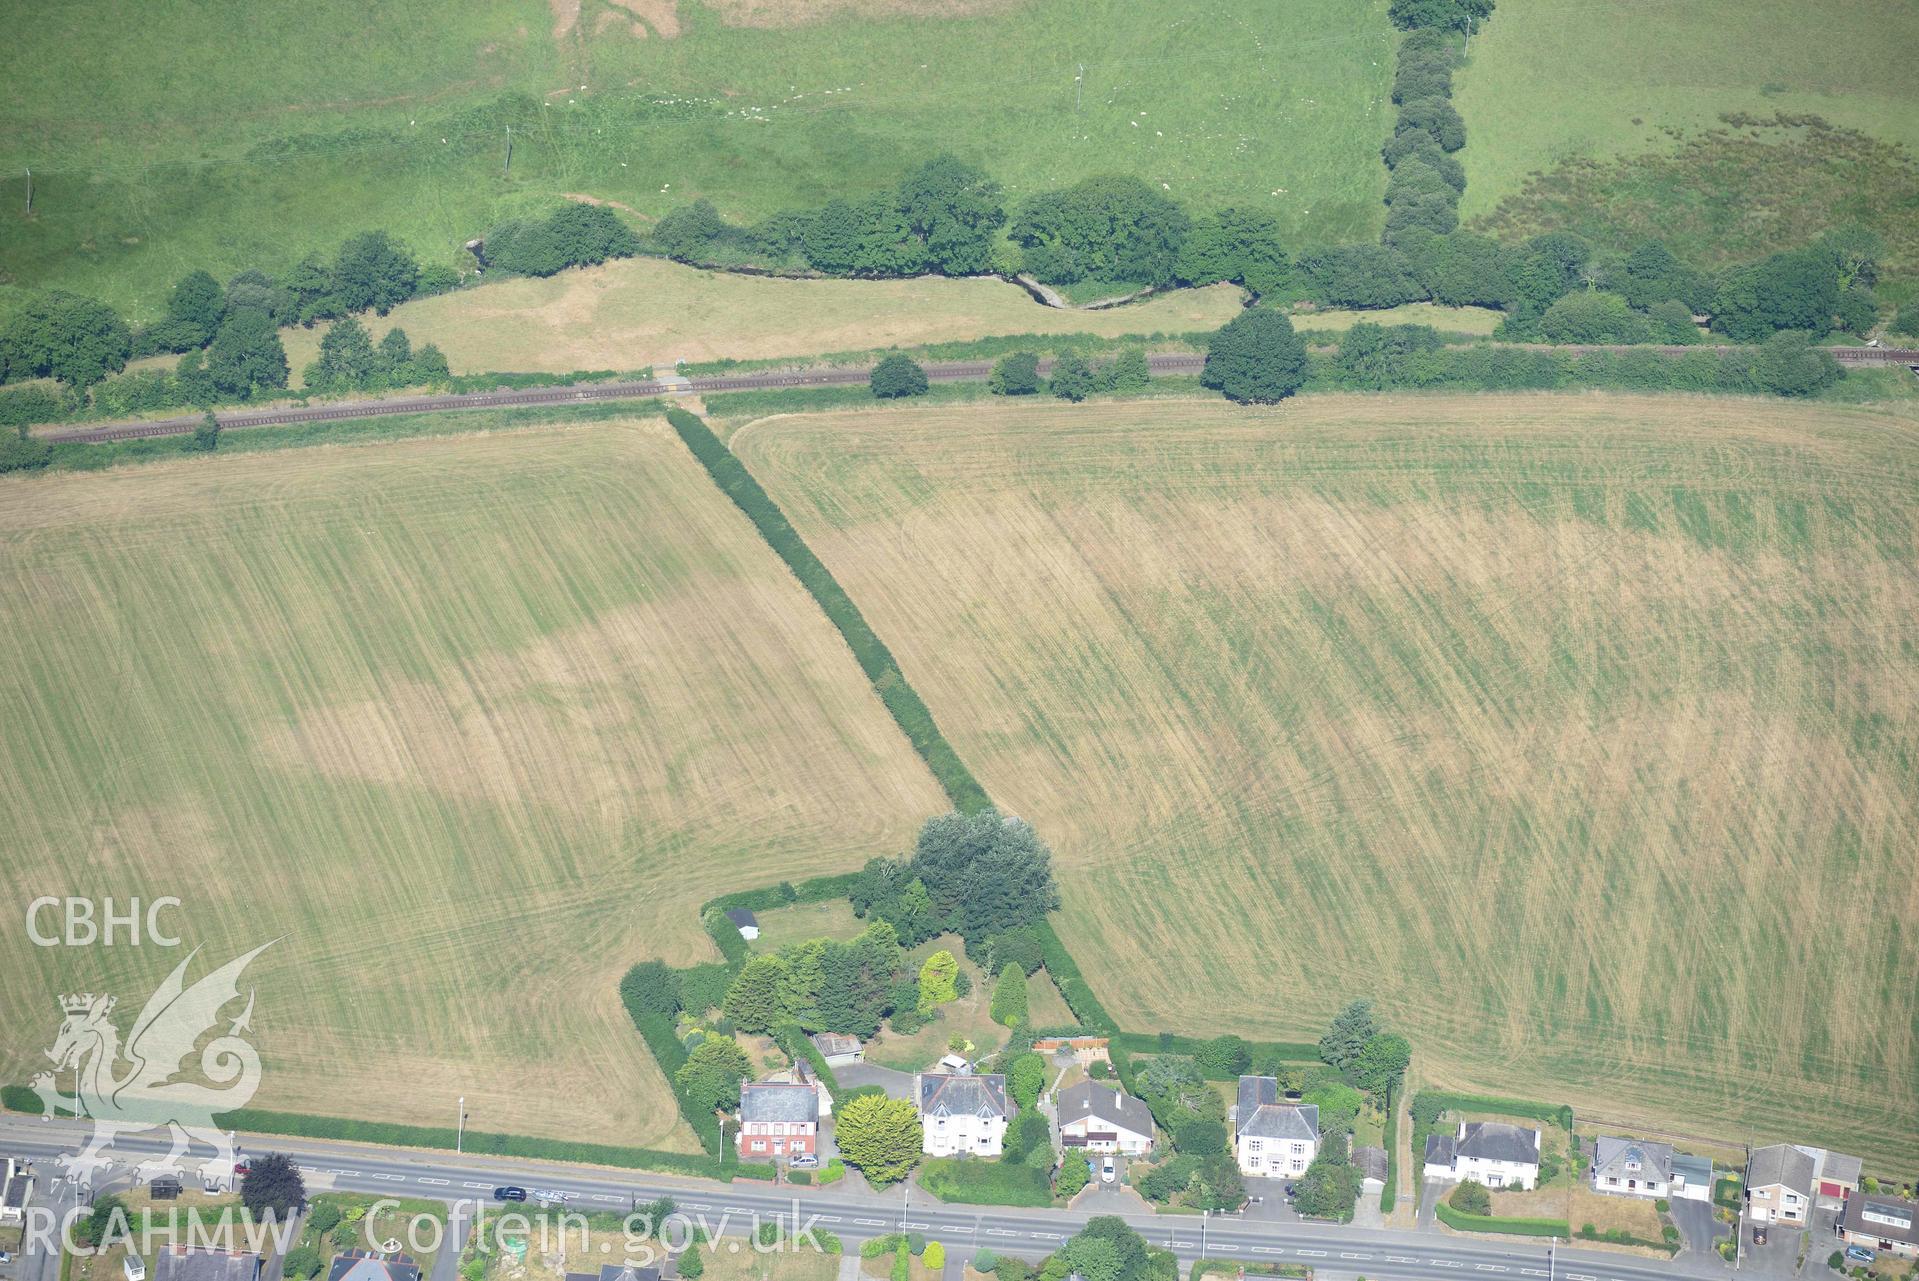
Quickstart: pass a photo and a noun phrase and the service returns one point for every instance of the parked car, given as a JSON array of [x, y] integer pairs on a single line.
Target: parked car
[[1292, 1190], [6, 1256], [509, 1193], [805, 1161], [1108, 1172], [1859, 1254], [546, 1196], [1758, 1234]]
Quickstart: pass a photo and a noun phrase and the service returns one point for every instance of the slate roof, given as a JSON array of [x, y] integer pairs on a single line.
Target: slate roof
[[1615, 1155], [1781, 1163], [358, 1265], [765, 1101], [1103, 1103], [1296, 1121], [1253, 1092], [178, 1263], [742, 918], [1498, 1141], [1370, 1162], [1439, 1149], [962, 1094], [1840, 1168], [15, 1195], [1883, 1207]]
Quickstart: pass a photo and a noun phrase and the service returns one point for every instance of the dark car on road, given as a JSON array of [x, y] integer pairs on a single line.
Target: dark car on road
[[509, 1193]]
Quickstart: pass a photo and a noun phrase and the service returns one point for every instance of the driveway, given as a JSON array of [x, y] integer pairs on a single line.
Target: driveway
[[1778, 1259], [1697, 1225], [898, 1085], [1430, 1190]]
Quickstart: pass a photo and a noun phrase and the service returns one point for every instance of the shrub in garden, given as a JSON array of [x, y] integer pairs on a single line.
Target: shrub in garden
[[1471, 1197]]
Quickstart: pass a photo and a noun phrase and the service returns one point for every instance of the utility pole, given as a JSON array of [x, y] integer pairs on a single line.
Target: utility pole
[[507, 164], [1204, 1215], [459, 1137], [1552, 1253], [1079, 82], [29, 191]]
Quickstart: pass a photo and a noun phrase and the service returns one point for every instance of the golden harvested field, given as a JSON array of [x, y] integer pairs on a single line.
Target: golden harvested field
[[645, 311], [1582, 731], [468, 725]]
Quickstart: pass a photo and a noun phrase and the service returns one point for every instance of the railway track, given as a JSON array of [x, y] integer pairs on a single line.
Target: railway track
[[949, 371]]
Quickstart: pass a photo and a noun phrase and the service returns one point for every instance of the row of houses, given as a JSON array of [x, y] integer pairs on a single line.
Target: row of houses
[[1275, 1135]]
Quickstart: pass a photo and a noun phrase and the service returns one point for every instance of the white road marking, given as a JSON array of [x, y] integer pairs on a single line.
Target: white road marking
[[390, 1178], [1531, 1272], [1580, 1276], [1399, 1258], [697, 1205], [1488, 1267], [1317, 1254], [476, 1185], [601, 1196], [1446, 1263], [872, 1223], [343, 1171], [736, 1209], [827, 1218], [1344, 1255], [1264, 1249], [916, 1225], [1046, 1236], [438, 1183], [991, 1232]]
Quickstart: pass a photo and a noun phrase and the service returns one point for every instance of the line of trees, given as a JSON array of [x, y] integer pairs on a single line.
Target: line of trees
[[228, 333]]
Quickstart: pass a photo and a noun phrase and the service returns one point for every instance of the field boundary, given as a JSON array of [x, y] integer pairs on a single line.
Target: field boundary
[[909, 712]]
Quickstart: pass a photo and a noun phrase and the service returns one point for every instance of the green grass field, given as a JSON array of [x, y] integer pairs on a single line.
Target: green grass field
[[1551, 84], [1550, 80], [247, 140], [468, 724], [1579, 730]]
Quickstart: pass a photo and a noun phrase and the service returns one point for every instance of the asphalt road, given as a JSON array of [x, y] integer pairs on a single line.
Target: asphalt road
[[951, 371], [1334, 1252]]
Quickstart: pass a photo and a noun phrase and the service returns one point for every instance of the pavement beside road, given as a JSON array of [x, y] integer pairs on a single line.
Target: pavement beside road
[[854, 1216]]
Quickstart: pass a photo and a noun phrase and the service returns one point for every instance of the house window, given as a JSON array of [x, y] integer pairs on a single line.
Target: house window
[[1495, 1180], [1252, 1145], [1298, 1148], [1611, 1182], [759, 1145]]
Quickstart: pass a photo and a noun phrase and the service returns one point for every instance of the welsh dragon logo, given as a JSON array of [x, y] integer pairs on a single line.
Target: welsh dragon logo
[[144, 1094]]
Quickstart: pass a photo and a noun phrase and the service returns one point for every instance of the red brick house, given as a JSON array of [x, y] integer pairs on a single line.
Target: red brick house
[[778, 1120]]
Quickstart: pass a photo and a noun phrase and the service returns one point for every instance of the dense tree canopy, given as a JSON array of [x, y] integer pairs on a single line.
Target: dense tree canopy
[[1109, 228], [897, 375], [246, 357], [1590, 316], [1256, 357], [1351, 1028], [574, 235], [272, 1185], [65, 336], [880, 1136], [373, 271]]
